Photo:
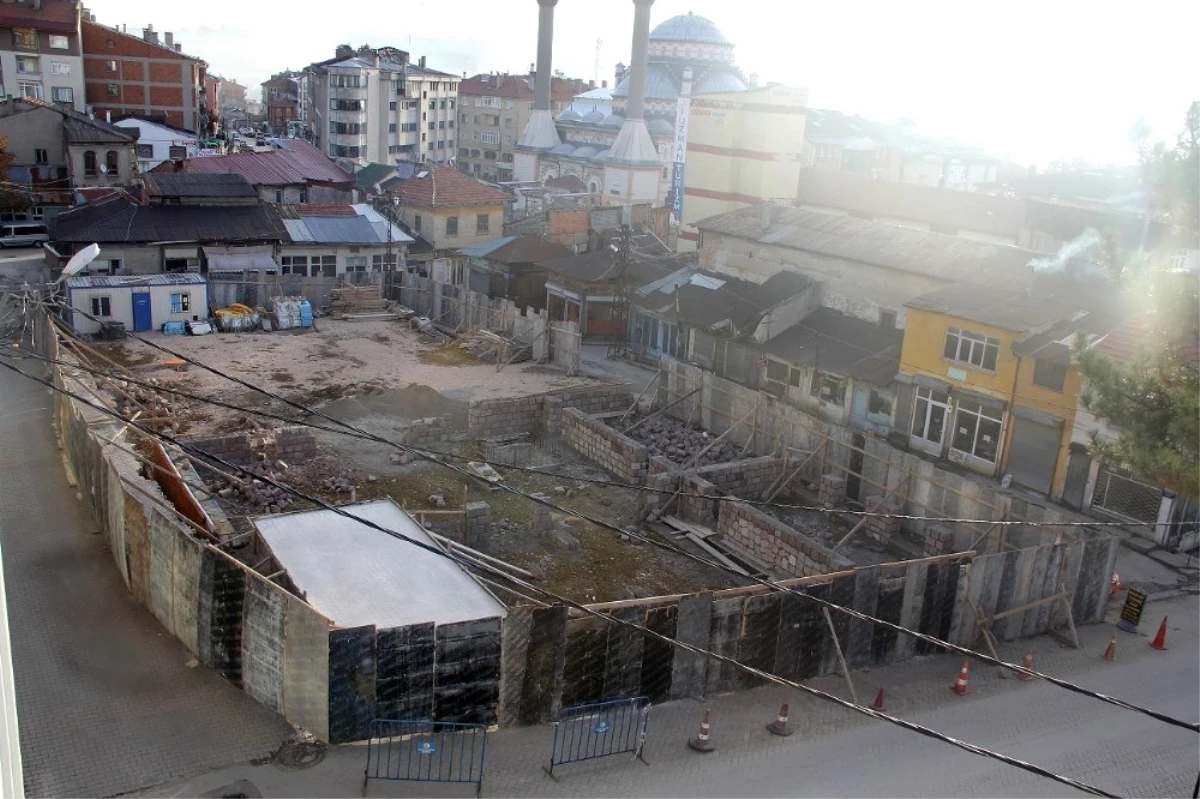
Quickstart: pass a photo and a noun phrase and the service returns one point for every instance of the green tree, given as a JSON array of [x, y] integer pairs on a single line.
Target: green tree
[[1154, 401], [9, 200]]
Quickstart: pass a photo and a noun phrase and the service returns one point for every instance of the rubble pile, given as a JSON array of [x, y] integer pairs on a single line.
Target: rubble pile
[[257, 495], [679, 443], [157, 408]]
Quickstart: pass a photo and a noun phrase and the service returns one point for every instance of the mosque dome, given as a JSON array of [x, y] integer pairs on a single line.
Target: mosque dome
[[688, 28]]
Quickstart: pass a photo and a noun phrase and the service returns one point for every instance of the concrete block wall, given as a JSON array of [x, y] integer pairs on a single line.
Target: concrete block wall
[[552, 408], [617, 454], [880, 529], [662, 481], [235, 448], [697, 500], [507, 416], [294, 445], [427, 431], [747, 479], [598, 400], [775, 543], [478, 522], [831, 491]]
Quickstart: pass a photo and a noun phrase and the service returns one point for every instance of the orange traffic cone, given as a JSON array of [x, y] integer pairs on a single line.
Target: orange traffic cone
[[700, 742], [780, 725], [878, 703], [960, 685], [1160, 640], [1110, 652], [1028, 664], [1116, 584]]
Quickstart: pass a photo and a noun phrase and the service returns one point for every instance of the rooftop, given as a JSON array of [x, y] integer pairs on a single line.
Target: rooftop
[[516, 250], [518, 87], [717, 302], [601, 266], [338, 224], [77, 127], [842, 345], [689, 28], [131, 281], [116, 219], [53, 16], [433, 186], [182, 184], [920, 252], [1007, 309], [357, 575], [295, 162]]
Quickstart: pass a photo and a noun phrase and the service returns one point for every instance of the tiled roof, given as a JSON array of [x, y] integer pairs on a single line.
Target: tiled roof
[[445, 187], [316, 209], [518, 87], [116, 220], [1006, 309], [181, 184], [842, 345], [54, 16], [295, 162], [920, 252], [81, 128]]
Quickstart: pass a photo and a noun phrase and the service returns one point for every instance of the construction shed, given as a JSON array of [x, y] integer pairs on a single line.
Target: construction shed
[[139, 302]]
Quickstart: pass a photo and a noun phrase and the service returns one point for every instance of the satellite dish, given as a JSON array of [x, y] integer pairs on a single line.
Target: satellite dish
[[79, 261]]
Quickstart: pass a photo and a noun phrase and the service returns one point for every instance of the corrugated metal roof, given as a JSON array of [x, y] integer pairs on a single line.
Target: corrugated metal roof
[[842, 345], [295, 162], [116, 220], [365, 227], [182, 184], [133, 281]]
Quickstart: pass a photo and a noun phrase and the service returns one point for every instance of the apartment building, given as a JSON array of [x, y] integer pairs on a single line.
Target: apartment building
[[148, 77], [40, 51], [375, 105], [281, 99], [493, 110]]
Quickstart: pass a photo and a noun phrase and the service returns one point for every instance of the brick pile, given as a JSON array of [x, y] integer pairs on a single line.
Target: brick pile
[[596, 441], [942, 539], [775, 543], [427, 431], [880, 529], [831, 491]]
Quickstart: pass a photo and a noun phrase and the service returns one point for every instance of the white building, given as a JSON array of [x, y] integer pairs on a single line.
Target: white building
[[594, 101], [157, 143], [374, 106], [140, 302]]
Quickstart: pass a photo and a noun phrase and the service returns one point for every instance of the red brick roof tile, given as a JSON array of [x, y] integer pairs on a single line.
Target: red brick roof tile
[[446, 187]]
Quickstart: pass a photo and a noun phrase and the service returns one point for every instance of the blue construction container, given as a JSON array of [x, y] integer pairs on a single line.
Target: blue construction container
[[174, 328], [306, 314]]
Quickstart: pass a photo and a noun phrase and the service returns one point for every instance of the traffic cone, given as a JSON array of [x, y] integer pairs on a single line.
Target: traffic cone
[[1028, 664], [1110, 652], [960, 685], [700, 742], [1116, 584], [1160, 640], [780, 725], [878, 703]]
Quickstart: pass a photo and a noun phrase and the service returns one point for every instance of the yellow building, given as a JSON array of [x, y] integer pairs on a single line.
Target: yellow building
[[743, 148], [448, 209], [987, 381]]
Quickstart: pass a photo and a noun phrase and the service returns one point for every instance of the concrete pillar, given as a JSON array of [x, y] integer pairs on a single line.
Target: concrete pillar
[[637, 70], [541, 88]]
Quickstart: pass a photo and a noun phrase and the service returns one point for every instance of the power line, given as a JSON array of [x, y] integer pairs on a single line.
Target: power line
[[908, 725], [669, 547]]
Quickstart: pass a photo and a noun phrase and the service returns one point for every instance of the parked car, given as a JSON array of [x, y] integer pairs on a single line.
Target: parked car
[[23, 234]]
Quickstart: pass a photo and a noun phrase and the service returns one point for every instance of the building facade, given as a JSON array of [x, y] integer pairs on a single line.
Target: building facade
[[158, 143], [493, 110], [41, 53], [448, 210], [127, 75], [281, 99], [374, 105]]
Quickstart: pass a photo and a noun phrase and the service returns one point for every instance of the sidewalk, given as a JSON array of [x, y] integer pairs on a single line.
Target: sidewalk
[[913, 689]]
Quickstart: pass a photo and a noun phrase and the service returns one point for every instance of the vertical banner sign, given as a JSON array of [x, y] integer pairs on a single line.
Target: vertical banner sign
[[682, 109]]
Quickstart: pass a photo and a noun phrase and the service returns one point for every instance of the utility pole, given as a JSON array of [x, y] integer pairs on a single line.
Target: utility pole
[[618, 347]]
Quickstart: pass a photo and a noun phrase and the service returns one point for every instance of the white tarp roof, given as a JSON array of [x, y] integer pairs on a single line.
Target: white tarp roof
[[357, 575]]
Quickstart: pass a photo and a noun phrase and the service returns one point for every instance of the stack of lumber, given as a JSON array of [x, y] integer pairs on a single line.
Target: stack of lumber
[[356, 300], [495, 348]]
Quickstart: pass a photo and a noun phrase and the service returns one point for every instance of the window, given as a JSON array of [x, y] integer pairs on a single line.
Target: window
[[25, 37], [89, 162], [293, 265], [462, 117], [879, 404], [345, 128], [113, 90], [508, 122], [381, 263], [971, 348], [391, 127], [417, 223], [346, 105], [326, 263], [177, 152], [442, 145], [442, 124], [1048, 374], [29, 89], [60, 68], [337, 81], [60, 43], [481, 223], [101, 306], [777, 371], [432, 126], [181, 303], [489, 155], [977, 431], [27, 65], [41, 156], [62, 94], [348, 151], [474, 153], [392, 106], [490, 137], [828, 388], [356, 263], [433, 105], [110, 65], [450, 124], [887, 319], [930, 408], [111, 163], [451, 105], [304, 194], [452, 226], [463, 152], [442, 104], [279, 196], [145, 151]]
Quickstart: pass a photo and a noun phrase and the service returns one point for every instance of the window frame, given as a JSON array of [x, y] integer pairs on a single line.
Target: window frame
[[451, 226], [41, 155], [112, 163], [91, 167], [482, 224], [974, 343], [25, 38], [101, 305], [181, 302], [836, 385], [1058, 370], [977, 414], [925, 400]]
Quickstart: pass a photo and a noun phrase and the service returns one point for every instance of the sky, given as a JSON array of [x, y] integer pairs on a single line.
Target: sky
[[1034, 81]]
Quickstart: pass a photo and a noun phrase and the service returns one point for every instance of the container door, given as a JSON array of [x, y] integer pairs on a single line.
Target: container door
[[141, 311]]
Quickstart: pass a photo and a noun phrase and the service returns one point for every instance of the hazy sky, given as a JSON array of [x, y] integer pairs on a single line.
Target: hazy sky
[[1034, 80]]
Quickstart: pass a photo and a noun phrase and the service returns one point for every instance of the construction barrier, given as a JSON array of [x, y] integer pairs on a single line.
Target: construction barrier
[[425, 751], [586, 732]]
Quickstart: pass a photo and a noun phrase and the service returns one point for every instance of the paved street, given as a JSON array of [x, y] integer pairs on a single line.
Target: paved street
[[105, 700], [838, 753]]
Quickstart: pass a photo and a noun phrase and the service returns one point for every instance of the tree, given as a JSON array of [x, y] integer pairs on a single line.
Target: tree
[[9, 200], [1154, 401]]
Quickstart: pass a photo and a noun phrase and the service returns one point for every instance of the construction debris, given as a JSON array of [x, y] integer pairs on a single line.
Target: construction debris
[[352, 300], [680, 443]]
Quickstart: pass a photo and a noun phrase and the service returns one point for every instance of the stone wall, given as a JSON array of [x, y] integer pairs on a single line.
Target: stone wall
[[477, 522], [775, 543], [747, 479], [510, 416], [617, 454]]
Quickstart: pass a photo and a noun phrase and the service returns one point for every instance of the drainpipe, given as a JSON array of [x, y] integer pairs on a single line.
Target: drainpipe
[[1012, 404]]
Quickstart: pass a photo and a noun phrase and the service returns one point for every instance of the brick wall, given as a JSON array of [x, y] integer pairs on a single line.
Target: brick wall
[[294, 445], [478, 521], [776, 544], [427, 431], [596, 441], [747, 479], [515, 415], [598, 400], [698, 500]]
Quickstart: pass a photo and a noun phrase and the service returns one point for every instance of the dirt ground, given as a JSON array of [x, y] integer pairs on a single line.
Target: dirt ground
[[336, 360]]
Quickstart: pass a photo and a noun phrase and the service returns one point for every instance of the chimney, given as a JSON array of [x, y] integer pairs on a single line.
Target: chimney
[[603, 84], [545, 51], [637, 70], [619, 74], [108, 117], [422, 63], [149, 34], [169, 39], [178, 47], [753, 80]]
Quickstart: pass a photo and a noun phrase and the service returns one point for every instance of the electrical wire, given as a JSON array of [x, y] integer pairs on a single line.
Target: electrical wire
[[771, 586], [870, 712]]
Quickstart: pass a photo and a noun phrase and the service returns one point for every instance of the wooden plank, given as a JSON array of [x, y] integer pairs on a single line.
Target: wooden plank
[[774, 490], [837, 648], [718, 556], [862, 522], [689, 527]]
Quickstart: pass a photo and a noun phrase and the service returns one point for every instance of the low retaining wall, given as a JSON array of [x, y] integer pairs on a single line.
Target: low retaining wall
[[509, 416], [292, 445], [775, 543], [616, 454]]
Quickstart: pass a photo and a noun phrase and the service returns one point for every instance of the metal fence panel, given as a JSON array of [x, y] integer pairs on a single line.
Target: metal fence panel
[[600, 729], [425, 751], [1126, 498]]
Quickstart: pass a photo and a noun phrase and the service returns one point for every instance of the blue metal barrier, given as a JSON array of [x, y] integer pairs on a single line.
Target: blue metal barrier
[[425, 751], [585, 732]]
